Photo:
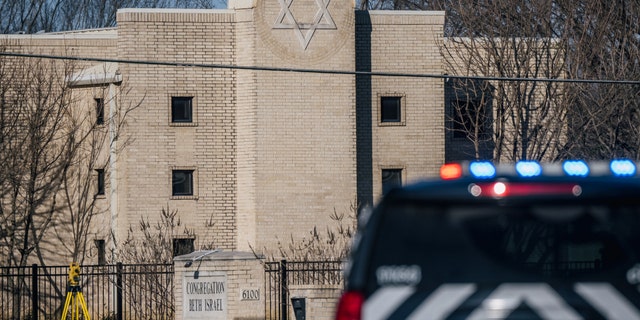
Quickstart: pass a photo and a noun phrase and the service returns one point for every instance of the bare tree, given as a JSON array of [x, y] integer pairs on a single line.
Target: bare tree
[[153, 242], [585, 39], [469, 115], [31, 16], [42, 148], [41, 141], [330, 244], [604, 45], [400, 4], [503, 39], [51, 145]]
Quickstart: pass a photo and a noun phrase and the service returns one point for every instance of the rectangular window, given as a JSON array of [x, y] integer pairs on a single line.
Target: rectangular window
[[181, 109], [182, 182], [390, 109], [469, 119], [99, 110], [182, 246], [391, 178], [102, 253], [100, 181]]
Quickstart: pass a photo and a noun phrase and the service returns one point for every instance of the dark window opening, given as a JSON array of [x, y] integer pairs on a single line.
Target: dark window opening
[[100, 181], [390, 109], [529, 241], [469, 116], [391, 178], [555, 241], [182, 246], [182, 182], [181, 109], [99, 110], [102, 253]]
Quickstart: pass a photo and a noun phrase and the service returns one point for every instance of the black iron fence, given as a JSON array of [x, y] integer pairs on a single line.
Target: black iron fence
[[111, 292], [279, 276], [141, 291]]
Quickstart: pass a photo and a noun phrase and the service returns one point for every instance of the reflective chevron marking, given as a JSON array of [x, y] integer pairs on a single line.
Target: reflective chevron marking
[[608, 301], [540, 297], [443, 301], [386, 300]]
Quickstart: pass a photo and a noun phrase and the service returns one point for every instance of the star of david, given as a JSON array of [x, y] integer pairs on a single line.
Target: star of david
[[322, 20]]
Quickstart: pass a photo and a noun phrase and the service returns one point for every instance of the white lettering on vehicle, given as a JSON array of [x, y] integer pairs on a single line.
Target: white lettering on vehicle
[[539, 297], [398, 275]]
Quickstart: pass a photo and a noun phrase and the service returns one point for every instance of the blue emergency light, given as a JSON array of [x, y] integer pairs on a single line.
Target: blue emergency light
[[623, 168], [575, 168], [482, 169], [528, 169]]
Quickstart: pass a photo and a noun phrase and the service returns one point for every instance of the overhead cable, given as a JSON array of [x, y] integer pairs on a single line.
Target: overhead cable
[[318, 71]]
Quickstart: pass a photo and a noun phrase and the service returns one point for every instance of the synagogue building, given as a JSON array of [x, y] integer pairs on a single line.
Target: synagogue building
[[257, 122]]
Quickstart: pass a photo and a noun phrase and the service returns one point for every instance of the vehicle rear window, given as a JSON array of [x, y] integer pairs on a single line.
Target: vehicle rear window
[[503, 243]]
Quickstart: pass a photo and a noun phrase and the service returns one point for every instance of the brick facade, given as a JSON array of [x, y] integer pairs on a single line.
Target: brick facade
[[273, 153]]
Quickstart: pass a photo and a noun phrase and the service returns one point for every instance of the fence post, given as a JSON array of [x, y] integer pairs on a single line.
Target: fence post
[[284, 312], [34, 292], [119, 291]]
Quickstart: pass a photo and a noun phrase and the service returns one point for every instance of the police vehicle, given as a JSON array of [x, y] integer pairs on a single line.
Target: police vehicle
[[556, 241]]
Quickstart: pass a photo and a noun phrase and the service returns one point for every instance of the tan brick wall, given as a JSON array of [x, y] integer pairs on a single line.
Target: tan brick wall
[[406, 42], [305, 149], [246, 139], [93, 44], [208, 147]]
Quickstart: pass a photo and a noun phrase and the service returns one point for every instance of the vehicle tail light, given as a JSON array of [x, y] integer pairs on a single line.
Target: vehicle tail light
[[350, 306], [505, 189]]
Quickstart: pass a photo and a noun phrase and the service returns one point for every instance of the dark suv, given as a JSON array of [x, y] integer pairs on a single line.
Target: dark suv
[[520, 241]]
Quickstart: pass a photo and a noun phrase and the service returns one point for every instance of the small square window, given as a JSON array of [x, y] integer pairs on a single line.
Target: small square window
[[182, 182], [390, 109], [100, 181], [99, 110], [182, 246], [391, 178], [181, 109]]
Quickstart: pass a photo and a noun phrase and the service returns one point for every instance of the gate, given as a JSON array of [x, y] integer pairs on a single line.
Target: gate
[[280, 276]]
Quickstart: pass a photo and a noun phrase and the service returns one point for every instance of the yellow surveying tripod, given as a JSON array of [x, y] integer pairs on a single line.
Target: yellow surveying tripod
[[75, 299]]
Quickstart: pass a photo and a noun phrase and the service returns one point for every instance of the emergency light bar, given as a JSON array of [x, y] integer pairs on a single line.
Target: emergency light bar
[[528, 169], [531, 169]]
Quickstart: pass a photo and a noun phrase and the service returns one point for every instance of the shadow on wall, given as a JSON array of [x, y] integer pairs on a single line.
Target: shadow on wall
[[364, 110]]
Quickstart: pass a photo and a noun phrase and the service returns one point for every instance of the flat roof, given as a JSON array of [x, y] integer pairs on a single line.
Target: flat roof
[[172, 10], [103, 33]]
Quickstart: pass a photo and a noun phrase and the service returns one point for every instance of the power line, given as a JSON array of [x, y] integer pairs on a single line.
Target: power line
[[322, 71]]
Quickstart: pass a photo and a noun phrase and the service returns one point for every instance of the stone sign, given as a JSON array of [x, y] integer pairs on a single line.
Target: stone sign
[[204, 295]]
